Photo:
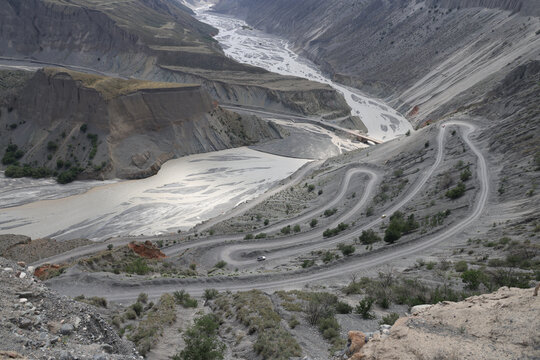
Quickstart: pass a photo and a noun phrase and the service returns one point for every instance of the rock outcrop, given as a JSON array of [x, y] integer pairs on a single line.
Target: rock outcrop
[[500, 325], [146, 250], [110, 127], [35, 320]]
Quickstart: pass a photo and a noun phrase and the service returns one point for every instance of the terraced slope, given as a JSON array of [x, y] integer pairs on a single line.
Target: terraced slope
[[156, 40]]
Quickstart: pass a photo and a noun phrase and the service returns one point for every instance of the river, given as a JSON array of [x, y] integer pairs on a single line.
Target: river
[[185, 192], [272, 53]]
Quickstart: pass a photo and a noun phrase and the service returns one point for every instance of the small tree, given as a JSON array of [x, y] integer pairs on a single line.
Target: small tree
[[313, 223], [201, 340], [364, 308]]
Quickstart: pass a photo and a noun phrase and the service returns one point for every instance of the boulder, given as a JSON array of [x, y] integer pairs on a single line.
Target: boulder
[[356, 340], [66, 329], [415, 310]]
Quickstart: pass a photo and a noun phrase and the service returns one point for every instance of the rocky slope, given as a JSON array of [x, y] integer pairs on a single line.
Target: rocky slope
[[36, 323], [419, 55], [109, 127], [500, 325], [150, 39]]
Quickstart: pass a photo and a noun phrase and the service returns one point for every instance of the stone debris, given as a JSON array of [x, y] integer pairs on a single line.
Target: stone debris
[[33, 319]]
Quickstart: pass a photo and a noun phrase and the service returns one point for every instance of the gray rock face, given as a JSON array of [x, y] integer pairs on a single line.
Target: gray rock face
[[66, 329], [84, 34], [419, 56], [163, 122], [28, 331]]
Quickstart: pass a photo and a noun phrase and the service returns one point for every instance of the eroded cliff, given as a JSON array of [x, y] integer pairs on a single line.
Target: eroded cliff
[[109, 127], [419, 55], [149, 39]]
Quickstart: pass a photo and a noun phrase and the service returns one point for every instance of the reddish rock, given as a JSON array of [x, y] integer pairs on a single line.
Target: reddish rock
[[43, 271], [356, 340], [414, 111], [146, 250]]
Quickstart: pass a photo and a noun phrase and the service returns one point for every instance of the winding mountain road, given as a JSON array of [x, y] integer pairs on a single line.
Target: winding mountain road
[[115, 288]]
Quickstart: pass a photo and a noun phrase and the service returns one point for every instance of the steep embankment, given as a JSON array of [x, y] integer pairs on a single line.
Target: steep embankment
[[109, 127], [150, 39], [35, 320], [500, 325], [419, 55]]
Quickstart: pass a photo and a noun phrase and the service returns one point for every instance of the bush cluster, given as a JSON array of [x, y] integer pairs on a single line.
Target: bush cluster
[[334, 231], [399, 226]]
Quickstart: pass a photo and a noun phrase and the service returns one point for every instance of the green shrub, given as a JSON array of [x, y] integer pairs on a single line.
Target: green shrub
[[465, 174], [346, 249], [210, 294], [12, 154], [260, 236], [138, 266], [364, 308], [137, 307], [343, 308], [330, 212], [457, 191], [461, 266], [286, 230], [313, 223], [308, 263], [293, 322], [69, 175], [311, 187], [296, 228], [399, 226], [248, 237], [327, 257], [130, 314], [52, 146], [334, 231], [472, 278], [183, 298], [150, 328], [83, 128], [369, 237], [142, 298], [220, 264], [389, 319]]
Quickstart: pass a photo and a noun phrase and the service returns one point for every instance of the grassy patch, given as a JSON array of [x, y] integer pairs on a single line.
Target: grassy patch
[[150, 329], [255, 311]]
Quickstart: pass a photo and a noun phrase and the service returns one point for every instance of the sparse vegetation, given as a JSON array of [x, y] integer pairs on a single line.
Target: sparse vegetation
[[202, 341], [220, 264], [389, 319], [181, 297], [151, 328], [457, 191], [364, 308], [255, 311], [313, 223], [334, 231], [369, 237], [346, 249], [399, 226], [330, 212], [12, 155], [138, 266]]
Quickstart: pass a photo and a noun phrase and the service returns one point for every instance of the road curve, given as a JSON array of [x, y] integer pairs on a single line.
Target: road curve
[[109, 286]]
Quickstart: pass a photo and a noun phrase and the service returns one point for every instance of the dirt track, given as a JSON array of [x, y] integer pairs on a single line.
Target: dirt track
[[112, 287]]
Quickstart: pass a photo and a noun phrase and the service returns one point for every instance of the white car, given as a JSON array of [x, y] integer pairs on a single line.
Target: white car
[[261, 258], [383, 216]]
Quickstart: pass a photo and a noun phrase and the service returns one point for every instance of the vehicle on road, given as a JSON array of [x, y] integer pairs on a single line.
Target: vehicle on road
[[261, 258], [383, 216]]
